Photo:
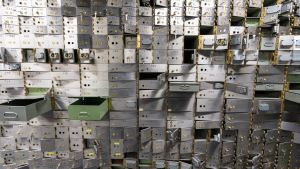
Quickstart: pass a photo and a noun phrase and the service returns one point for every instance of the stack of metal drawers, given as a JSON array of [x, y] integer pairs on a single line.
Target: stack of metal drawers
[[188, 84]]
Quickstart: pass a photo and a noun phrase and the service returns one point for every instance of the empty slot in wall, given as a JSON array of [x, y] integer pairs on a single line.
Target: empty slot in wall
[[201, 134], [268, 94], [149, 76], [190, 42], [189, 57]]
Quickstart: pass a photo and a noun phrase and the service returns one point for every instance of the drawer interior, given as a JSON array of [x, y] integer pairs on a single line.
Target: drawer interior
[[21, 102], [91, 101]]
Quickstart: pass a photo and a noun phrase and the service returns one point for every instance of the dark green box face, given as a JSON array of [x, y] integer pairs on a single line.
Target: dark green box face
[[90, 108], [293, 78]]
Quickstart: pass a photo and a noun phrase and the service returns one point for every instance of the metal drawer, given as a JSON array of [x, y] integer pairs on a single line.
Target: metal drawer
[[209, 105], [89, 108], [24, 109], [184, 86], [124, 104]]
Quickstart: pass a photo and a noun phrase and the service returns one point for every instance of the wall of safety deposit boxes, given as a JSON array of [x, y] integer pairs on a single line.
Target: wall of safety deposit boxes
[[187, 84]]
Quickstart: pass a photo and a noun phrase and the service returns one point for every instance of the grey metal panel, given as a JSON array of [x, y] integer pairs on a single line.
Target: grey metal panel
[[209, 105], [122, 76], [208, 124], [123, 115], [180, 115], [238, 105], [208, 116], [274, 78], [124, 104], [127, 92], [152, 104], [267, 105]]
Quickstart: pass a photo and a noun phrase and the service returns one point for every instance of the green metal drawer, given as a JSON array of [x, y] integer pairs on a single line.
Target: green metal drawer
[[89, 108], [24, 109]]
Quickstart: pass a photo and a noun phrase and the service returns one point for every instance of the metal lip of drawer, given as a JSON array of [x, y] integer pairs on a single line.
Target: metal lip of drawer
[[24, 109], [184, 86], [269, 87], [89, 108]]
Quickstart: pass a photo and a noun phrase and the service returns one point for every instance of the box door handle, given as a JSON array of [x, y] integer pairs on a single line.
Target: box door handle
[[269, 44], [83, 113], [269, 87], [10, 115], [184, 87]]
